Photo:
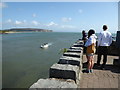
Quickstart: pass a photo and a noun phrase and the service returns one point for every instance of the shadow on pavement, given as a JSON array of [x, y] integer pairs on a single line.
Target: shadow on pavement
[[110, 67]]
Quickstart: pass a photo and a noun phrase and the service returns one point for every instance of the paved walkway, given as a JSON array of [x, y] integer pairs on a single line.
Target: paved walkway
[[107, 78]]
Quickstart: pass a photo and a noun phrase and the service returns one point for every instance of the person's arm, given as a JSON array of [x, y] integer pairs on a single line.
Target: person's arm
[[89, 42], [99, 39]]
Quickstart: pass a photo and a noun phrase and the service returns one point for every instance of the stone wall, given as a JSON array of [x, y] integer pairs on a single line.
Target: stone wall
[[117, 61], [113, 50], [66, 72]]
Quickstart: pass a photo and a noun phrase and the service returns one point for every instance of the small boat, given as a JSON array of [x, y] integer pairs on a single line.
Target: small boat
[[45, 45]]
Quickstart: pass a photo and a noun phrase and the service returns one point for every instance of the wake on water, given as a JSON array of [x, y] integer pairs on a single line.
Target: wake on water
[[50, 44]]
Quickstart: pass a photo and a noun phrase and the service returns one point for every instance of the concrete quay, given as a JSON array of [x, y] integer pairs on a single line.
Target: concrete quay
[[72, 54], [75, 50], [53, 83], [63, 71], [70, 60]]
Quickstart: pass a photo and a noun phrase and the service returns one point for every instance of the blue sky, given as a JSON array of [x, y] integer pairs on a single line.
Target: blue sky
[[60, 16]]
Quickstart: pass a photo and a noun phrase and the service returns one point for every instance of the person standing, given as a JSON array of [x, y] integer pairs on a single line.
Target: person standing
[[84, 38], [90, 51], [104, 41]]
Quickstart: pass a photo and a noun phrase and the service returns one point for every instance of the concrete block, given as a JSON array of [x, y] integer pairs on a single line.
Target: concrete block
[[64, 71], [70, 60], [77, 48], [73, 54], [53, 83], [77, 45], [79, 42]]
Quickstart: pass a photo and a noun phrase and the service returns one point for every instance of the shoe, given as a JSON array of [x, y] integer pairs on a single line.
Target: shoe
[[102, 68], [91, 70], [87, 71], [98, 65]]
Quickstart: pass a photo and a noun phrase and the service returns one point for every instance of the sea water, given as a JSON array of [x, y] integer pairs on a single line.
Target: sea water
[[24, 62]]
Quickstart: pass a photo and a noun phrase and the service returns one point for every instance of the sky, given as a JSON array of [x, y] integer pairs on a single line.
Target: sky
[[60, 16]]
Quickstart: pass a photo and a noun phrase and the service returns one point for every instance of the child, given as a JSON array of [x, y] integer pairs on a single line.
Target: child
[[90, 44]]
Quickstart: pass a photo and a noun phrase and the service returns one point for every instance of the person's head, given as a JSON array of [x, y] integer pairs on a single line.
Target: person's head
[[105, 27], [90, 32], [83, 32]]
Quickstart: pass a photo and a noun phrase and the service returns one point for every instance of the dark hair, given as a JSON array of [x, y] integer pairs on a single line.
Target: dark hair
[[84, 35], [83, 31], [105, 27], [91, 31]]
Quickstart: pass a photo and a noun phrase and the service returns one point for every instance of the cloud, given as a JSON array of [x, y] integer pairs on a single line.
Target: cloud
[[80, 11], [34, 15], [24, 23], [3, 5], [18, 22], [68, 26], [52, 24], [9, 21], [35, 23], [64, 19]]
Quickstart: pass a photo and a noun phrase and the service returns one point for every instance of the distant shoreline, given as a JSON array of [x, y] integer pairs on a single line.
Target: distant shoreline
[[23, 30], [16, 32]]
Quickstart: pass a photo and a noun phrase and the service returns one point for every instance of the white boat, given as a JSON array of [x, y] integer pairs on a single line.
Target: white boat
[[45, 45]]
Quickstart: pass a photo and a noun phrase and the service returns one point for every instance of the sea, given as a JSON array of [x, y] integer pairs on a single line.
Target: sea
[[24, 62]]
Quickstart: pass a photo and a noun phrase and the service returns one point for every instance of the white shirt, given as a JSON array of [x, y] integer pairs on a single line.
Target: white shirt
[[104, 38], [91, 40]]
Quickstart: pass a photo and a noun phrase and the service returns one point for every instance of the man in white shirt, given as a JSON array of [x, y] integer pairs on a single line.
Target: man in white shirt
[[104, 41]]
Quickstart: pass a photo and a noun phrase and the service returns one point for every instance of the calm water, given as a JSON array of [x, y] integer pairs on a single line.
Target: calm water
[[24, 62]]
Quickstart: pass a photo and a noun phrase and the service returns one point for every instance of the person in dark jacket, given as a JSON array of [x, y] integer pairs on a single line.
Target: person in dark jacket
[[84, 35]]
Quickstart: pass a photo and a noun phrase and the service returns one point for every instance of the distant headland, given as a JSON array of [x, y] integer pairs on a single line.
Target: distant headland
[[17, 30]]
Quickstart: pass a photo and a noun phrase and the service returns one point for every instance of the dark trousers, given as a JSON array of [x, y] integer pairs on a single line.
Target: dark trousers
[[84, 48], [102, 50]]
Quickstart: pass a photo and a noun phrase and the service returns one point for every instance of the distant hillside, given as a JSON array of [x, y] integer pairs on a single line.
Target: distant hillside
[[27, 30]]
